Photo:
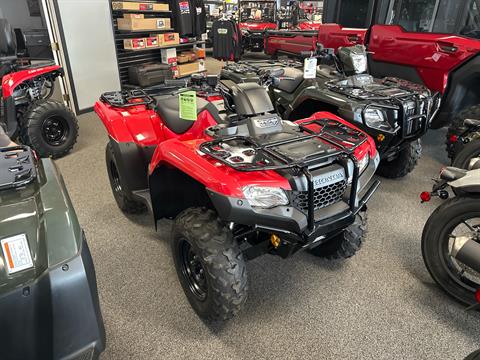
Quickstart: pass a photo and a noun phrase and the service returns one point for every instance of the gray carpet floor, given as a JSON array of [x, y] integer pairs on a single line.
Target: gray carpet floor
[[381, 304]]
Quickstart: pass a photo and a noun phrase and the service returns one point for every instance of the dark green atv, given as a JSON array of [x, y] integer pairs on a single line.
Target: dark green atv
[[49, 305], [395, 112]]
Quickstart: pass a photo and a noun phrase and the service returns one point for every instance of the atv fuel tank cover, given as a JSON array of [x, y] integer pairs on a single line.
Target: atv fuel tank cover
[[265, 124]]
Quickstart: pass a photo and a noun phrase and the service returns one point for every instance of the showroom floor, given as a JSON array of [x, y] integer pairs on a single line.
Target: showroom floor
[[381, 304]]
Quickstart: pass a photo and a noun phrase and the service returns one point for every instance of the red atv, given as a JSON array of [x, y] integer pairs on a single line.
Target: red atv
[[238, 183], [252, 28], [27, 113]]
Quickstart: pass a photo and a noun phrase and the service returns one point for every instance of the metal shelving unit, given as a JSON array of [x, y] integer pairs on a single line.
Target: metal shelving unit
[[126, 57]]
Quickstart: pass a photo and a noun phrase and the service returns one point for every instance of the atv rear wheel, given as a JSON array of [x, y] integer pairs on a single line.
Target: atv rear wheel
[[119, 189], [403, 164], [209, 265], [458, 128], [469, 151], [50, 128], [347, 243]]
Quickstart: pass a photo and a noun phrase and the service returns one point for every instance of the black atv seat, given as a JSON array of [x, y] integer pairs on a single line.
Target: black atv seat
[[294, 78], [169, 110]]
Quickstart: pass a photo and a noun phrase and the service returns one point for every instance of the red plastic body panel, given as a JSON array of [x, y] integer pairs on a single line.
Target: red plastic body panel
[[335, 36], [12, 80], [426, 52], [329, 35], [309, 25], [257, 26]]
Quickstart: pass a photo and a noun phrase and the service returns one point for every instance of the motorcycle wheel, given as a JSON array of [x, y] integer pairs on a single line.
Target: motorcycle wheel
[[468, 152], [455, 217]]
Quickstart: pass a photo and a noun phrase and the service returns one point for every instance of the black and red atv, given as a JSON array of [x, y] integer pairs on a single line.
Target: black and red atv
[[27, 112], [238, 183]]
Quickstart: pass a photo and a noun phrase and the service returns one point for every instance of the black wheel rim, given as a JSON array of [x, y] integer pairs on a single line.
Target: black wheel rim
[[116, 185], [55, 130], [460, 273], [193, 271]]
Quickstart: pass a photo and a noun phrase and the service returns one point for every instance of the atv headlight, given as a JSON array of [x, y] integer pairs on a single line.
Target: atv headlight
[[375, 118], [363, 163], [265, 197]]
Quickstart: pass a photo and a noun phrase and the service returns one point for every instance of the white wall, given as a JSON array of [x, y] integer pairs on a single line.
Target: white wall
[[88, 34], [17, 14]]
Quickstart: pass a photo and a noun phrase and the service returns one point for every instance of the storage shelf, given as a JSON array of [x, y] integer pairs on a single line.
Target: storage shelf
[[143, 11], [134, 57], [143, 31], [165, 47]]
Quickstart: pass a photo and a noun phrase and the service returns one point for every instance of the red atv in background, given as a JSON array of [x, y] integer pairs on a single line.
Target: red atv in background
[[239, 183], [256, 17], [27, 113]]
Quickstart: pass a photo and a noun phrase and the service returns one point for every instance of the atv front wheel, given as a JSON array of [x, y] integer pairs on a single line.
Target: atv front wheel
[[209, 264], [458, 128], [50, 128], [403, 164], [119, 189], [468, 152], [347, 243]]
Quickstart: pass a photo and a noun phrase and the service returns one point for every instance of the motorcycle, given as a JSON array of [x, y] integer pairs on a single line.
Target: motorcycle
[[451, 236]]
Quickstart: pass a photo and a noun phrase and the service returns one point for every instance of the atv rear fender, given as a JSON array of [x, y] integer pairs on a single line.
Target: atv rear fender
[[12, 80]]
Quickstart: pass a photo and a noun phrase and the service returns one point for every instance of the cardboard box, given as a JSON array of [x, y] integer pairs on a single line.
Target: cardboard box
[[133, 16], [141, 6], [200, 52], [143, 24], [191, 55], [182, 58], [168, 39], [169, 56], [151, 42], [187, 69], [134, 44]]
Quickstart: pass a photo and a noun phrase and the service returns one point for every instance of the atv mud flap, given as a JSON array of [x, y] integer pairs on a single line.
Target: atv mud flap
[[57, 316]]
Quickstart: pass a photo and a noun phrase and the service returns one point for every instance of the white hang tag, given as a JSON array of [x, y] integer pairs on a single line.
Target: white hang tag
[[310, 68]]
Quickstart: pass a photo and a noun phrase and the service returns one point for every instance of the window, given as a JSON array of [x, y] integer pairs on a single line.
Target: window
[[440, 16], [353, 13]]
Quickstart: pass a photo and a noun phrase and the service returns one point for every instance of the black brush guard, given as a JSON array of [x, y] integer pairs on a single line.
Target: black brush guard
[[342, 154], [397, 103]]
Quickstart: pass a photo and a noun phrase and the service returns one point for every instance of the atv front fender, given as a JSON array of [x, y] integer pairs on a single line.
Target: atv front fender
[[185, 156], [320, 100]]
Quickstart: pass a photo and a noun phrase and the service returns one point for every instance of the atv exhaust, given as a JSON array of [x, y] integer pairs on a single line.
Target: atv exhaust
[[467, 251]]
